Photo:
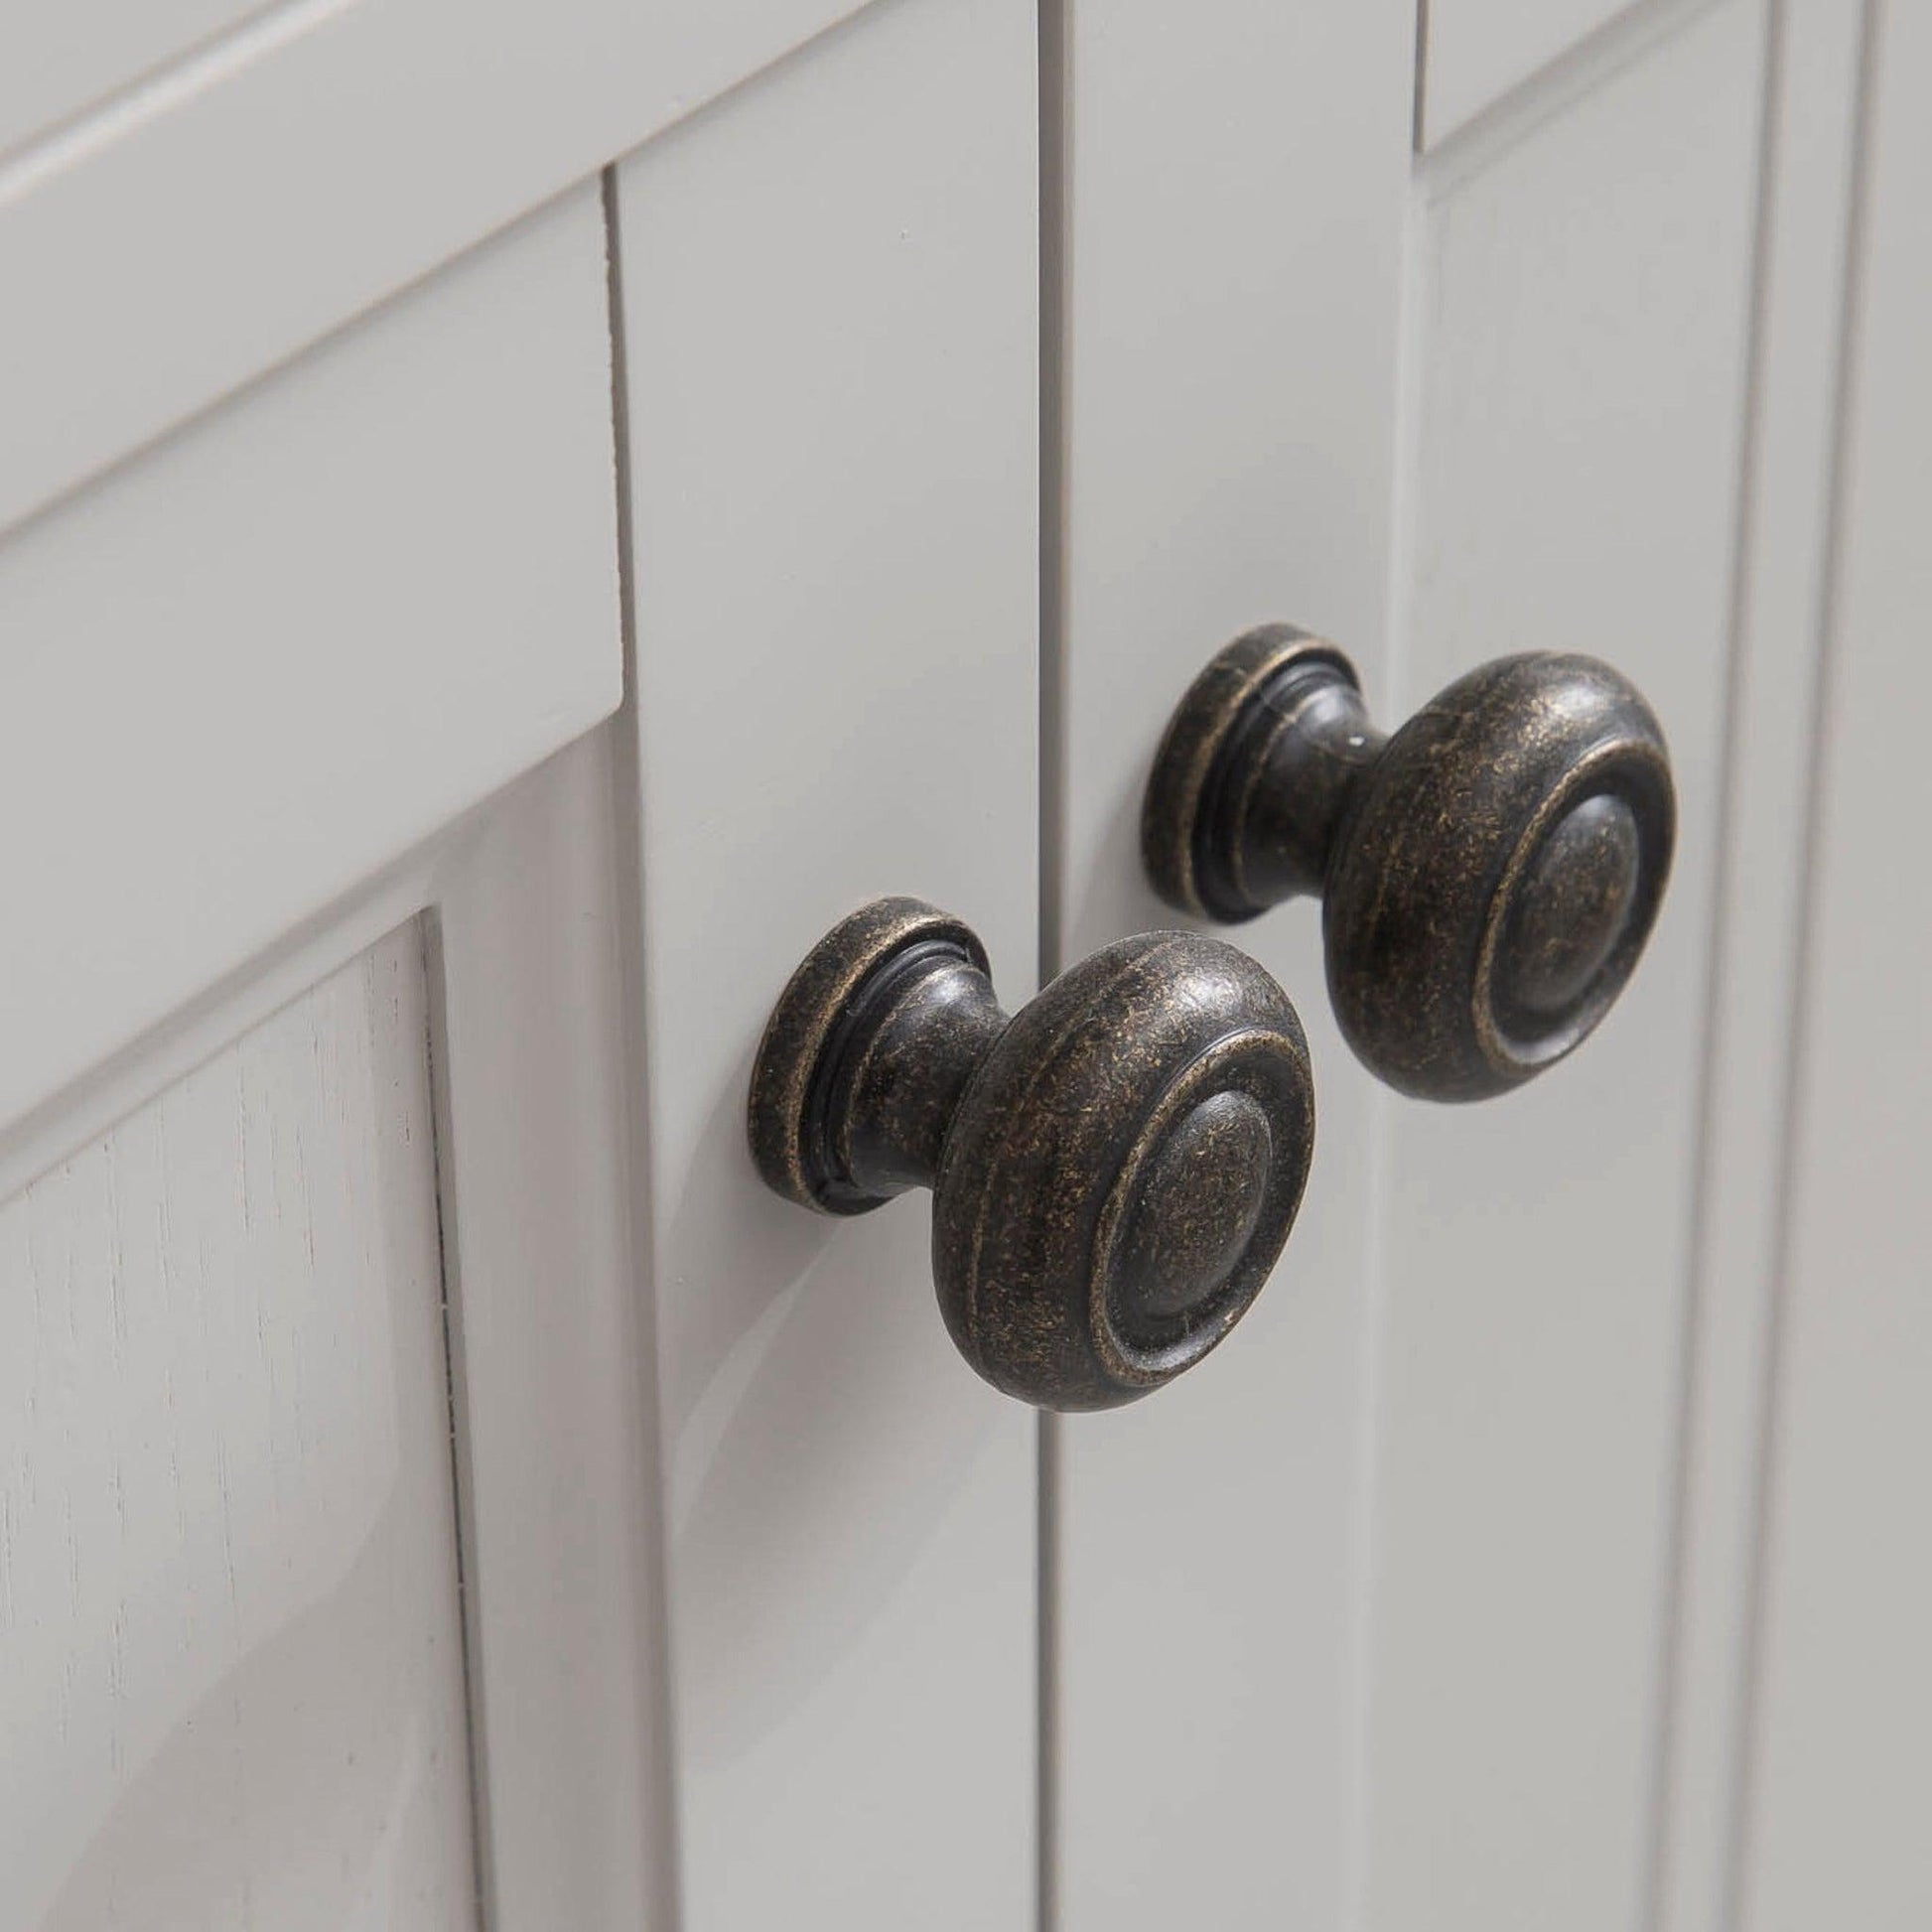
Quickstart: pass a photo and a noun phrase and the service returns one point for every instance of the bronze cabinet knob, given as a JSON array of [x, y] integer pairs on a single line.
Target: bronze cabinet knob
[[1114, 1167], [1488, 874]]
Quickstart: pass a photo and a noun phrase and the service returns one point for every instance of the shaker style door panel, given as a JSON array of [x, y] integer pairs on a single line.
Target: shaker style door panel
[[231, 1686], [327, 1574], [1574, 461], [260, 663], [830, 327], [328, 1587], [1456, 1535], [1230, 296]]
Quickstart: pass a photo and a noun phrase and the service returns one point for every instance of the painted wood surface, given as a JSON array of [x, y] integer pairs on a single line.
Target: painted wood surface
[[545, 1206], [64, 61], [1582, 322], [1508, 1672], [242, 202], [830, 290], [1841, 1782], [1477, 51], [260, 663], [1808, 147], [231, 1684], [1234, 198]]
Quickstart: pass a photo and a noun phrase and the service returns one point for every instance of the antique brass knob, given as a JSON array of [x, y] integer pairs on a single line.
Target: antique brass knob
[[1488, 874], [1114, 1167]]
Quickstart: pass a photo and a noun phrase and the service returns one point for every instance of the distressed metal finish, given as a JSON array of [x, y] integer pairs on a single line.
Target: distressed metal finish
[[1488, 874], [1115, 1167]]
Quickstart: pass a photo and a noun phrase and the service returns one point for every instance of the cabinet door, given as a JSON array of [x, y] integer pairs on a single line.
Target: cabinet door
[[1456, 1541], [324, 1565], [831, 367]]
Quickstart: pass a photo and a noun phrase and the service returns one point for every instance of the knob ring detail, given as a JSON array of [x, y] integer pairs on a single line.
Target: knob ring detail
[[829, 1009], [1114, 1167], [1488, 874], [1213, 756]]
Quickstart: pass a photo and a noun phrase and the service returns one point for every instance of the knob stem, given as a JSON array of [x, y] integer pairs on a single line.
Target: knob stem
[[1293, 786], [1261, 770], [867, 1054], [916, 1034]]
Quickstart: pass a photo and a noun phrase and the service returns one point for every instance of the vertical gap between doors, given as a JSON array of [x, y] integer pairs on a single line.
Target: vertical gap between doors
[[1405, 468], [1736, 1902], [1052, 86], [627, 807]]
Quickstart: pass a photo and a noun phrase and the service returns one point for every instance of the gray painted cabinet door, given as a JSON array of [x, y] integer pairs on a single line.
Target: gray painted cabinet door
[[464, 647], [324, 1580], [1439, 1597]]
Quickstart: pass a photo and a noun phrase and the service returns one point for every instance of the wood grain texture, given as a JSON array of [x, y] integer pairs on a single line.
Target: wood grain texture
[[148, 274], [230, 1658], [830, 318], [256, 666], [1841, 1782], [1582, 322], [1235, 194]]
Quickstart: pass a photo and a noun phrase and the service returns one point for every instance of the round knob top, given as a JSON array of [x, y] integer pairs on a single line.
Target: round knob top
[[1488, 874], [1123, 1172], [1115, 1169], [1488, 898]]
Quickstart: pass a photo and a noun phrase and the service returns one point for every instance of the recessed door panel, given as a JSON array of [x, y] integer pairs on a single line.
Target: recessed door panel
[[231, 1685], [1417, 1529], [1584, 300]]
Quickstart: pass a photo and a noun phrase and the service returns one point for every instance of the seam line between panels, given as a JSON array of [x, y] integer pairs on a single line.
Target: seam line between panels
[[449, 1275], [626, 806], [1737, 1893], [1050, 76]]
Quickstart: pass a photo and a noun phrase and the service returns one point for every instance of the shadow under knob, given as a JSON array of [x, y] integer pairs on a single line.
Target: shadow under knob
[[1115, 1167], [1489, 873]]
